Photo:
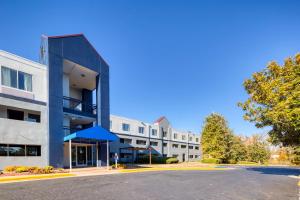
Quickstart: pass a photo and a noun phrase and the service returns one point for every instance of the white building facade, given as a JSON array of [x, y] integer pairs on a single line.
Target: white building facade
[[160, 136]]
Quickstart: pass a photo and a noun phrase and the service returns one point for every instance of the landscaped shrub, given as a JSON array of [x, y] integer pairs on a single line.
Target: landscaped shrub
[[22, 169], [211, 161], [246, 163], [48, 169], [10, 168], [171, 160], [119, 166], [30, 169], [154, 160]]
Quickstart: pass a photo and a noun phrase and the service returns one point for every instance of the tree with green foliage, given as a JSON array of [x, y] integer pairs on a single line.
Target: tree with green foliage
[[295, 156], [237, 150], [257, 150], [274, 101], [215, 137]]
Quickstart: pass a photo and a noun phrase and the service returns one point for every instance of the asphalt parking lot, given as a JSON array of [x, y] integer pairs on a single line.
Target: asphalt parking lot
[[255, 183]]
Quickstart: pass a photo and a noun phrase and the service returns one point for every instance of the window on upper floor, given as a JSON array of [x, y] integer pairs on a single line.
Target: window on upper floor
[[154, 132], [125, 127], [175, 135], [183, 137], [24, 81], [196, 148], [141, 130], [197, 139], [183, 146], [165, 134], [165, 144], [175, 146], [16, 79], [191, 147], [191, 139]]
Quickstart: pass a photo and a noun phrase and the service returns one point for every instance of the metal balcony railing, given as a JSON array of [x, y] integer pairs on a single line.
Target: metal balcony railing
[[79, 106]]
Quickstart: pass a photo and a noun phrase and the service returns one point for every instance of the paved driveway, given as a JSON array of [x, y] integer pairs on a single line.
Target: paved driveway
[[242, 183]]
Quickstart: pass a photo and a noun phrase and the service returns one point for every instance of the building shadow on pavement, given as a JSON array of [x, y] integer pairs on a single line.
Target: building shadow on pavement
[[276, 170]]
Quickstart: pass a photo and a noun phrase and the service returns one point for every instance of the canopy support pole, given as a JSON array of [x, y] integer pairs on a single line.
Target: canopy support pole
[[70, 154], [97, 154], [107, 154]]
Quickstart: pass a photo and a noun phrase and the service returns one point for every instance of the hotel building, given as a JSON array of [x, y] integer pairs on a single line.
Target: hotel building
[[59, 109]]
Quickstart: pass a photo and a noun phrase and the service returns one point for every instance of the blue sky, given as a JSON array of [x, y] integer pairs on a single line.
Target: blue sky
[[180, 59]]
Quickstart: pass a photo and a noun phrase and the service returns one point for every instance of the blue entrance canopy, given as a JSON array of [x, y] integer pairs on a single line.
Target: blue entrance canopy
[[93, 133]]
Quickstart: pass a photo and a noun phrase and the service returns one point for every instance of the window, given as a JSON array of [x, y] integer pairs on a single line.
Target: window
[[164, 134], [154, 143], [125, 127], [191, 139], [15, 114], [175, 135], [196, 147], [154, 132], [9, 77], [191, 147], [165, 155], [196, 156], [16, 79], [16, 150], [33, 150], [183, 137], [125, 141], [175, 155], [24, 81], [191, 156], [197, 139], [3, 150], [141, 142], [141, 130], [165, 144], [183, 146], [34, 118], [175, 146]]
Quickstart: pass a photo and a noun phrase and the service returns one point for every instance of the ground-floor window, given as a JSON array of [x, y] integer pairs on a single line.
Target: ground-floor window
[[20, 150], [154, 143], [33, 150], [191, 156]]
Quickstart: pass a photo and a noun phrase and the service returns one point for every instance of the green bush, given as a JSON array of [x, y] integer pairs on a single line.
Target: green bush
[[211, 161], [154, 160], [246, 163], [171, 160]]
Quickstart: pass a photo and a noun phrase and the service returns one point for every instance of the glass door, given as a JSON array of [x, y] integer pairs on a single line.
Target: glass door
[[81, 156]]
